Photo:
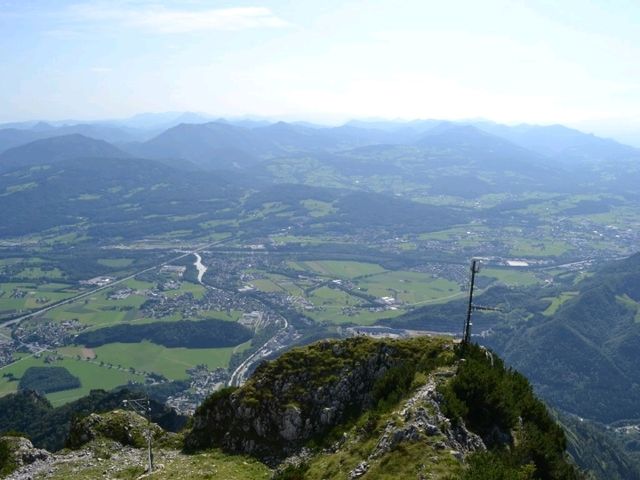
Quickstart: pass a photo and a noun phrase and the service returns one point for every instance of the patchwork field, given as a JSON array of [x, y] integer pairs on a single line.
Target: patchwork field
[[409, 287], [170, 362], [511, 276], [338, 269], [16, 297], [99, 310], [91, 374]]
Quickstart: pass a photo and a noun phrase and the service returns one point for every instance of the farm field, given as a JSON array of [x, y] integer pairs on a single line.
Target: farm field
[[26, 296], [91, 375], [539, 248], [556, 302], [335, 314], [170, 362], [511, 276], [115, 262], [99, 310], [409, 287], [280, 284], [337, 268], [117, 364]]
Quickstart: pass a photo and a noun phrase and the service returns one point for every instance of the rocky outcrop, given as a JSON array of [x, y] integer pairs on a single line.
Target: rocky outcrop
[[114, 440], [124, 427], [22, 452], [420, 418], [109, 459], [300, 396], [108, 443]]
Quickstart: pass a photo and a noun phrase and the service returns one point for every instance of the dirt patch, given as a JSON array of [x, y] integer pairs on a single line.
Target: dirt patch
[[87, 353]]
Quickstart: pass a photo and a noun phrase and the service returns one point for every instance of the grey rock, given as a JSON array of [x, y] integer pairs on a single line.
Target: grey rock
[[422, 418], [359, 471], [280, 429], [291, 423], [23, 451]]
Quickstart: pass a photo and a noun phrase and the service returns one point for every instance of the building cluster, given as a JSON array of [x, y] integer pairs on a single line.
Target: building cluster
[[203, 382], [6, 353], [174, 269], [160, 305], [100, 281], [47, 334], [18, 293], [121, 294]]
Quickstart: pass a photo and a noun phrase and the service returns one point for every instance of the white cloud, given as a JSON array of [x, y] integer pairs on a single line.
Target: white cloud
[[164, 20]]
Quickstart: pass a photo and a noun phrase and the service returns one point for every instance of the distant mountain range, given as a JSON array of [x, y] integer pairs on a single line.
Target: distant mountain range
[[227, 143], [80, 174], [71, 179], [224, 145], [60, 181], [15, 137], [560, 142]]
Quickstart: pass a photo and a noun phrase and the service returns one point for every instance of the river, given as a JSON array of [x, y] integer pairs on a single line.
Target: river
[[198, 264]]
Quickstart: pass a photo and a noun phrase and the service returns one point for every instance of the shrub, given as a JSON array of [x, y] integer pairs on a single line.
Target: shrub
[[6, 461], [498, 403]]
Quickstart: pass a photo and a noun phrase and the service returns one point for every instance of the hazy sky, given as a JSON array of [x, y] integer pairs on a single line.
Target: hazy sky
[[568, 61]]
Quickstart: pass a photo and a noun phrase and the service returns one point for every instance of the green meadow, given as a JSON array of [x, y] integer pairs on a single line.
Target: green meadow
[[115, 262], [511, 276], [173, 363], [92, 376], [409, 287], [544, 247], [34, 295], [556, 302], [338, 268], [98, 310]]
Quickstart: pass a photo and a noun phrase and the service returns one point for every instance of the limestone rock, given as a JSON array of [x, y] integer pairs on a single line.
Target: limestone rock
[[23, 451], [359, 471], [124, 427], [295, 398], [422, 418]]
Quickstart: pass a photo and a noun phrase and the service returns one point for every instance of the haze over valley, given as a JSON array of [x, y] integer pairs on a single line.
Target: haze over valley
[[251, 238], [283, 283]]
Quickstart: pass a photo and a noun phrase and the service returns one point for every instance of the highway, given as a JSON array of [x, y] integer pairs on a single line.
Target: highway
[[239, 374]]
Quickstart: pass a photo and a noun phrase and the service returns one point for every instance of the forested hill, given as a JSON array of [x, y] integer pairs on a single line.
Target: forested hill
[[576, 339], [53, 150], [577, 342], [585, 357]]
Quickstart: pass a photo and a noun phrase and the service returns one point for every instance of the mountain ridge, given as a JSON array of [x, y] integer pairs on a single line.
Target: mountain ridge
[[55, 149], [408, 408]]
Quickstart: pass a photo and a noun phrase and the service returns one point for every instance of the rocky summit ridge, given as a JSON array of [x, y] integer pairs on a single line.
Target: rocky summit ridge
[[421, 408]]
